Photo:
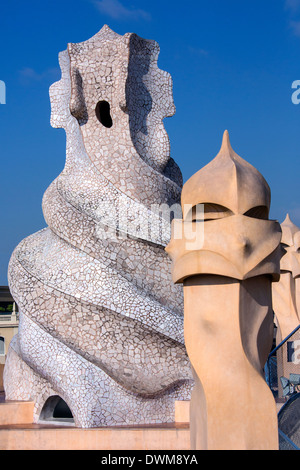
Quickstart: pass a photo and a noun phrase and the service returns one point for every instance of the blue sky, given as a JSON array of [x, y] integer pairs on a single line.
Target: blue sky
[[233, 63]]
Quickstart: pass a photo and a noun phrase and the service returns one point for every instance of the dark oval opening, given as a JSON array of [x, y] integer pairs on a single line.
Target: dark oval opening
[[103, 113]]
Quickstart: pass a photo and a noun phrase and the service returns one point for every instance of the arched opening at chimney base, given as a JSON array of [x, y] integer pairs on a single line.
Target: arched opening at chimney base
[[57, 411]]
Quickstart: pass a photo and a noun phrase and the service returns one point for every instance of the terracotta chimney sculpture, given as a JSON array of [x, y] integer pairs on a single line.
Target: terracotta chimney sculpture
[[286, 293], [286, 305], [227, 273]]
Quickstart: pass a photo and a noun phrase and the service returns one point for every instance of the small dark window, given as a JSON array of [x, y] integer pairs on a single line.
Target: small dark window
[[2, 346], [290, 351], [103, 113]]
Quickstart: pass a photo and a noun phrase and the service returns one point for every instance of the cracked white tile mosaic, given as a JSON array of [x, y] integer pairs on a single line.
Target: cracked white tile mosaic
[[101, 322]]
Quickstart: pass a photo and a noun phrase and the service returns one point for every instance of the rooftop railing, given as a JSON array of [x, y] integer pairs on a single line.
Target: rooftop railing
[[283, 377], [9, 318]]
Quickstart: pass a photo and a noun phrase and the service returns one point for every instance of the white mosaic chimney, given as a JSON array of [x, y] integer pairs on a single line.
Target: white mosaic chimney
[[101, 322]]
